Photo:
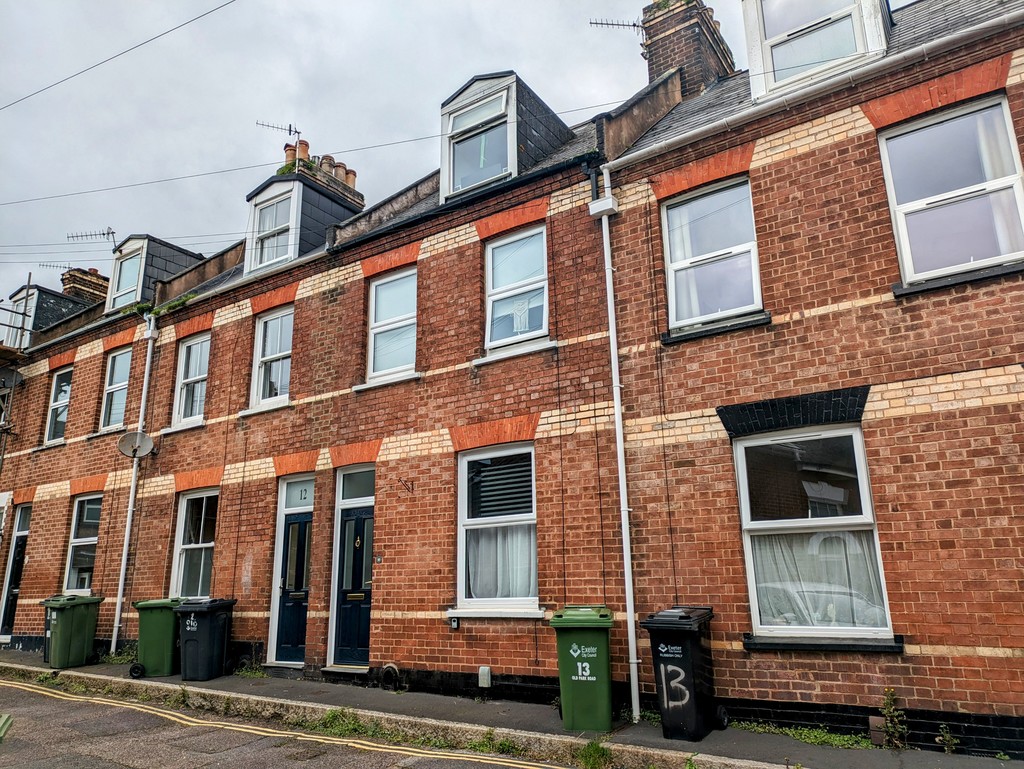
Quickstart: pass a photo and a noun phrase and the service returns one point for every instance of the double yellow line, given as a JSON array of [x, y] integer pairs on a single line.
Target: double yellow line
[[185, 720]]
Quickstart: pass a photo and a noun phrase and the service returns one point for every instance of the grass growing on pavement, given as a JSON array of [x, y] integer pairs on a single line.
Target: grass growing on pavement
[[810, 735], [593, 755], [125, 656], [344, 723], [503, 747]]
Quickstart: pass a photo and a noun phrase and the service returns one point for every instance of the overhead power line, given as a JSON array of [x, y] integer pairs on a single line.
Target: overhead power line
[[115, 56]]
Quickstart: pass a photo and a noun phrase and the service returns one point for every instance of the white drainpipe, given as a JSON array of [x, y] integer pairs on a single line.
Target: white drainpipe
[[150, 336], [605, 207]]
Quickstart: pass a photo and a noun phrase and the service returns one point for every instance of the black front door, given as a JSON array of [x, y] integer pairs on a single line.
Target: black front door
[[14, 583], [294, 586], [352, 618]]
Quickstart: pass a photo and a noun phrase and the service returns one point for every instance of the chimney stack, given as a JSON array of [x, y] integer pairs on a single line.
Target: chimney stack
[[684, 33], [85, 284]]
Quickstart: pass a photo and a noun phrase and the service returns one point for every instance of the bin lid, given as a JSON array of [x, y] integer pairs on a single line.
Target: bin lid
[[582, 616], [157, 603], [63, 601], [678, 618], [200, 605]]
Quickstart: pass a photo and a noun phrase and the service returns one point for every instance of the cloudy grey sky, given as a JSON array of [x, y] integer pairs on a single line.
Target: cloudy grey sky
[[351, 74]]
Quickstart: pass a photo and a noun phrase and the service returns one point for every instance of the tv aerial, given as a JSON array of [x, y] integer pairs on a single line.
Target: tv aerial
[[135, 444]]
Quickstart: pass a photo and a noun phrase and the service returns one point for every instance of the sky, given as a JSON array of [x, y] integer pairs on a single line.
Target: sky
[[362, 79]]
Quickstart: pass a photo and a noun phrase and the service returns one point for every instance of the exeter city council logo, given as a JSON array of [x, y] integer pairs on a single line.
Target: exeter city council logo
[[574, 650]]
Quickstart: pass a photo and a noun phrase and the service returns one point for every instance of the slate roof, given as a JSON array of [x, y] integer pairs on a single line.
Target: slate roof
[[921, 22]]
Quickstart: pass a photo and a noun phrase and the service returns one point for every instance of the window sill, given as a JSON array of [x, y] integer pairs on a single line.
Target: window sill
[[263, 408], [687, 334], [351, 669], [106, 431], [515, 350], [960, 279], [50, 445], [182, 427], [753, 643], [407, 376], [287, 665], [496, 613]]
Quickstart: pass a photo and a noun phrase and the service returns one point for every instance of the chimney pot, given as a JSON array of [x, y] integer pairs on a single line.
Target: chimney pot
[[327, 164], [340, 169], [303, 149], [350, 178], [289, 153]]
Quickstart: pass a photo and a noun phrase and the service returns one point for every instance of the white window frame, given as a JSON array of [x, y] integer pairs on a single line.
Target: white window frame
[[109, 389], [262, 237], [272, 195], [491, 607], [392, 324], [458, 137], [81, 542], [343, 504], [863, 522], [503, 89], [131, 294], [21, 316], [900, 212], [259, 360], [870, 35], [672, 268], [181, 381], [181, 549], [495, 295], [55, 405]]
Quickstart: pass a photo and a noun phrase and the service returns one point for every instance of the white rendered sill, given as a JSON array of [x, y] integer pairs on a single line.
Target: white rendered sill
[[292, 665], [180, 428], [264, 407], [515, 350], [346, 669], [106, 431], [496, 613], [405, 376], [51, 445]]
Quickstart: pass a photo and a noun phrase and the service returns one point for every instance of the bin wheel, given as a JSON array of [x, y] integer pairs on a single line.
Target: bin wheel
[[722, 716], [137, 670]]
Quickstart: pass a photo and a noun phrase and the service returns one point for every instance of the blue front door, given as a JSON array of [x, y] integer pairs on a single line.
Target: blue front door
[[294, 586], [352, 617]]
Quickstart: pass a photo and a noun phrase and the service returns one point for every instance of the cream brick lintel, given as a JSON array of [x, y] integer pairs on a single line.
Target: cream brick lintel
[[232, 313], [449, 239], [814, 134], [565, 422], [968, 389], [635, 195], [964, 651], [327, 280], [1016, 74], [415, 444], [670, 429], [569, 198]]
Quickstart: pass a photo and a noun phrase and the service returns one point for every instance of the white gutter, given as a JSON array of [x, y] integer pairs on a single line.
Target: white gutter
[[922, 52], [150, 335], [605, 207]]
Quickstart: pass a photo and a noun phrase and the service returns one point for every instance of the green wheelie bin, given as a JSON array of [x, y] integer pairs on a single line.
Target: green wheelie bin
[[70, 629], [584, 667], [159, 644]]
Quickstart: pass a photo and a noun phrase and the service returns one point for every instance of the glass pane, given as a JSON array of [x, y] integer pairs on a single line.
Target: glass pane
[[477, 114], [277, 335], [273, 247], [24, 518], [395, 348], [782, 16], [367, 552], [520, 314], [62, 387], [58, 422], [128, 273], [292, 558], [200, 520], [197, 356], [803, 479], [480, 157], [710, 223], [501, 486], [275, 215], [394, 298], [347, 551], [87, 518], [357, 485], [952, 155], [821, 46], [196, 567], [120, 364], [516, 262], [967, 231], [298, 493], [715, 287], [193, 399], [501, 562], [276, 378], [83, 557], [113, 407], [823, 579]]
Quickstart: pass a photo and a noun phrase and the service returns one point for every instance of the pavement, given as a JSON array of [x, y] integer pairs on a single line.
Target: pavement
[[538, 727]]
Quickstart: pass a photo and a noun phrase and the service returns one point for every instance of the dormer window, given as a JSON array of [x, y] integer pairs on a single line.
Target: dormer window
[[479, 143], [793, 41], [124, 287], [272, 231]]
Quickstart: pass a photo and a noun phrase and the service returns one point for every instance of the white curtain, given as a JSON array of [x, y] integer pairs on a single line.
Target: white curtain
[[997, 161], [502, 562], [828, 578]]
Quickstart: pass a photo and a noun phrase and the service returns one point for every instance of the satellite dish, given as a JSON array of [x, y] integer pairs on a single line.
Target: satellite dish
[[135, 444]]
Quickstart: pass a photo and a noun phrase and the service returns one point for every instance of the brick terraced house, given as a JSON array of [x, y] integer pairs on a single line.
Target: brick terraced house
[[752, 340]]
